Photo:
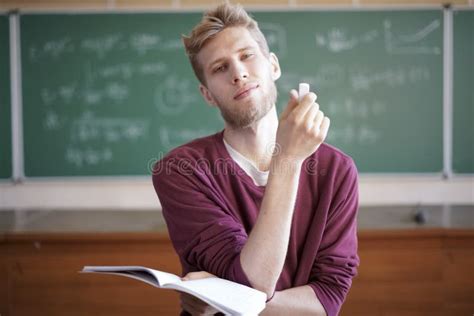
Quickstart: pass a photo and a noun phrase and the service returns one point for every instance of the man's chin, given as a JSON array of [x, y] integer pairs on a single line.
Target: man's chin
[[244, 122], [250, 114], [240, 124]]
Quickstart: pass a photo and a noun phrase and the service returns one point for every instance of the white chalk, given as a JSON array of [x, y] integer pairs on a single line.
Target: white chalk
[[303, 90]]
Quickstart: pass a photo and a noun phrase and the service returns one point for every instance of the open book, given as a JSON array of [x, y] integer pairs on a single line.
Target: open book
[[227, 297]]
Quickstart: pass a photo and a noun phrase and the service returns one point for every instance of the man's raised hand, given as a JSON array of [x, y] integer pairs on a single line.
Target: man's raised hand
[[302, 128]]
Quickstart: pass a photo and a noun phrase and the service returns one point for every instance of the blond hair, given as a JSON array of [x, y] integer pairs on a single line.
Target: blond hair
[[215, 21]]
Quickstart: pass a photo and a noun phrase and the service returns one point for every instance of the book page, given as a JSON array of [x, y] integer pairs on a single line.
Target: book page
[[150, 276], [228, 297], [164, 277]]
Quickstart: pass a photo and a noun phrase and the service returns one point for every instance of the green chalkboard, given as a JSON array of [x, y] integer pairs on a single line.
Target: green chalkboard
[[378, 76], [5, 108], [463, 92], [108, 94]]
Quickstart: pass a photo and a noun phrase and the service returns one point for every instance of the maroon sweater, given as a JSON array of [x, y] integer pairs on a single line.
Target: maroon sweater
[[210, 206]]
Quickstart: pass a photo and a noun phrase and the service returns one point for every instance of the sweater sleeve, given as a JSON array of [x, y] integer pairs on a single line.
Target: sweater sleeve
[[205, 235], [337, 260]]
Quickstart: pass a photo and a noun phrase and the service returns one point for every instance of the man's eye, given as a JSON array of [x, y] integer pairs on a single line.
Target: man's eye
[[219, 69], [247, 55]]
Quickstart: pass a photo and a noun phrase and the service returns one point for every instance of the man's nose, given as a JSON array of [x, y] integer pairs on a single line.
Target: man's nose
[[239, 72]]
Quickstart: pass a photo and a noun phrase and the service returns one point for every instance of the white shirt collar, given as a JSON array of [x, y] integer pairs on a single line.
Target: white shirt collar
[[259, 178]]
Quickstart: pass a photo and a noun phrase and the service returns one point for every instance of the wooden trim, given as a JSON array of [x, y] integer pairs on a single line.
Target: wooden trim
[[160, 236], [414, 233], [87, 237]]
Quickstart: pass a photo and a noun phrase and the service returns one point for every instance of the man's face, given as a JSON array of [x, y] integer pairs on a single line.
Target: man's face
[[239, 78]]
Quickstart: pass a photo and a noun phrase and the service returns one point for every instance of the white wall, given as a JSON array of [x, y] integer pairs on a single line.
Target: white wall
[[138, 193]]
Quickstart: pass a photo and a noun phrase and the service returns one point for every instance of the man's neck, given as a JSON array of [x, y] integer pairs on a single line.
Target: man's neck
[[256, 141]]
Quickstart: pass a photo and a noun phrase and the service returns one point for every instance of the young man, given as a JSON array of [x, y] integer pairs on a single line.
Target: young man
[[264, 202]]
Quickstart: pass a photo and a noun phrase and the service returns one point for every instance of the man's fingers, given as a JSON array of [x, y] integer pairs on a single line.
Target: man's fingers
[[311, 114], [187, 306], [197, 275], [315, 96], [304, 106], [194, 305], [191, 299], [318, 120], [198, 310], [292, 103], [191, 309], [325, 127], [294, 95]]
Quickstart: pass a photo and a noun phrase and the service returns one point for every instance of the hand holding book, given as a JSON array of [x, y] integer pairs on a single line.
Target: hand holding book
[[193, 305]]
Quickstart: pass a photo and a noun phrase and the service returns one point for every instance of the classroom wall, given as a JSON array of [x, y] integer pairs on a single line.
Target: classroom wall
[[129, 194], [137, 193]]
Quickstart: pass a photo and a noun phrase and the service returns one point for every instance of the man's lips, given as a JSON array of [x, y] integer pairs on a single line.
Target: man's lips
[[245, 91]]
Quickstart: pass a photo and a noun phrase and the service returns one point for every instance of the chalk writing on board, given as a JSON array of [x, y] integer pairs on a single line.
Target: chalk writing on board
[[349, 134], [357, 109], [173, 44], [142, 43], [64, 94], [338, 40], [410, 43], [52, 48], [156, 68], [123, 71], [276, 38], [171, 138], [116, 91], [360, 79], [175, 95], [145, 42], [89, 127], [52, 121], [92, 96], [111, 93], [101, 46], [88, 156], [328, 75], [363, 79]]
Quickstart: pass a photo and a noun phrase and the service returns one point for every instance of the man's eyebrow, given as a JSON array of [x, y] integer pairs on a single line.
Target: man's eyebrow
[[218, 60]]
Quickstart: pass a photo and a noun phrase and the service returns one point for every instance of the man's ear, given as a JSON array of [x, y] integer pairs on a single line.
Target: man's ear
[[276, 71], [206, 94]]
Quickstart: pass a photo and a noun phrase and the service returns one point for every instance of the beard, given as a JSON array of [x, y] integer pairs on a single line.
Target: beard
[[243, 116]]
